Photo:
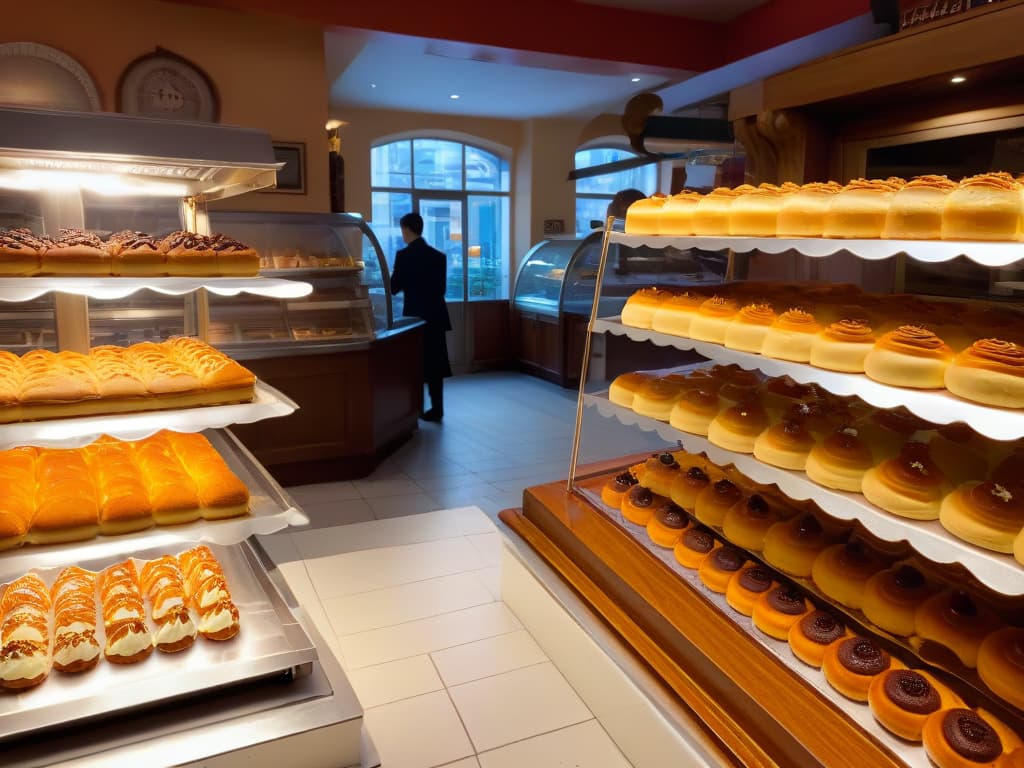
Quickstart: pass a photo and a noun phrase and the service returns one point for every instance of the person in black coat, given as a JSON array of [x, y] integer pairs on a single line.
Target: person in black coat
[[421, 272]]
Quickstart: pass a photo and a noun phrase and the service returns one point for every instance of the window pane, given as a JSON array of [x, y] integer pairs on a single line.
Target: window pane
[[488, 252], [391, 165], [438, 164], [442, 228], [388, 208], [644, 178], [486, 171], [590, 209]]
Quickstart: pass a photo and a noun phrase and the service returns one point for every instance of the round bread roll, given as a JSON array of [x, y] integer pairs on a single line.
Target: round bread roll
[[840, 461], [803, 213], [852, 664], [1001, 664], [990, 371], [639, 309], [860, 209], [790, 337], [676, 216], [983, 207], [915, 212], [712, 319], [902, 699], [674, 315], [891, 599], [955, 620], [843, 346], [809, 637], [910, 356], [748, 328], [987, 514]]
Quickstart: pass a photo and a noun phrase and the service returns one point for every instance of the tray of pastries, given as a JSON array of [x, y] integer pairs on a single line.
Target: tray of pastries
[[104, 634]]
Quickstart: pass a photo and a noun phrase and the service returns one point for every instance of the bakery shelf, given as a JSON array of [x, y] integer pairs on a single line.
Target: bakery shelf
[[998, 572], [986, 253], [294, 272], [16, 289], [936, 406], [268, 403]]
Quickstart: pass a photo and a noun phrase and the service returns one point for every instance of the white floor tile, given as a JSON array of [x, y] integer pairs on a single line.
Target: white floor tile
[[373, 569], [396, 605], [319, 493], [418, 733], [407, 504], [488, 545], [334, 513], [432, 482], [485, 658], [491, 579], [394, 486], [302, 588], [463, 494], [396, 680], [469, 762], [427, 635], [517, 705], [582, 746]]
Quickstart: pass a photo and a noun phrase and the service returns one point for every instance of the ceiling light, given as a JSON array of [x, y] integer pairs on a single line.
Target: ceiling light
[[634, 80], [454, 96], [958, 79], [373, 85], [112, 184], [333, 125]]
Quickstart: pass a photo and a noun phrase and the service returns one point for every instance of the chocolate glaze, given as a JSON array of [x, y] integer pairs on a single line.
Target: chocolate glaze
[[821, 627], [911, 692], [671, 516], [970, 736], [69, 237], [697, 475], [624, 482], [726, 488], [698, 539], [668, 460], [728, 559], [863, 657], [908, 577], [757, 579], [224, 244], [758, 507], [640, 496], [788, 600], [961, 605]]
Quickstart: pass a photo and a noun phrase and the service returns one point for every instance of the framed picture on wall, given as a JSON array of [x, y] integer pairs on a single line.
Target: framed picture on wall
[[292, 178]]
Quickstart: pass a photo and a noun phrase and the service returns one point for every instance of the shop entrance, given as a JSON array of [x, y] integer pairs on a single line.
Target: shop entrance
[[444, 226]]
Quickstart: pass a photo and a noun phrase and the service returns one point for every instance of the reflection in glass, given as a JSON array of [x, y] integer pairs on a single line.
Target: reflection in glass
[[486, 171], [391, 164], [487, 263], [438, 164]]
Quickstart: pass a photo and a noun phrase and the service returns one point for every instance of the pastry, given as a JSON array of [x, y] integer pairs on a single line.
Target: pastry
[[172, 492], [803, 213], [624, 388], [714, 501], [642, 216], [841, 571], [842, 346], [124, 504], [676, 215], [124, 615], [135, 254], [902, 699], [17, 495], [1001, 664], [674, 315], [713, 319], [164, 586], [737, 428], [793, 545], [216, 371], [686, 486], [220, 492], [719, 566], [667, 524], [891, 599], [655, 398], [860, 209], [711, 214], [812, 634], [749, 326], [638, 505], [962, 738], [886, 431], [233, 259], [747, 523], [116, 376], [188, 254], [55, 377], [737, 385], [910, 356], [75, 646], [75, 252], [613, 491], [909, 485], [20, 252], [1012, 759], [746, 586], [850, 665], [694, 411], [791, 335], [785, 444], [955, 620], [162, 374], [987, 514], [778, 609], [67, 507], [694, 546], [757, 214], [961, 453], [658, 473], [207, 592], [990, 371], [915, 212], [983, 207], [639, 309]]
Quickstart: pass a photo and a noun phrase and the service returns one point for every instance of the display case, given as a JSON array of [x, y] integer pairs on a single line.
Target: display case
[[554, 293], [725, 659], [181, 707]]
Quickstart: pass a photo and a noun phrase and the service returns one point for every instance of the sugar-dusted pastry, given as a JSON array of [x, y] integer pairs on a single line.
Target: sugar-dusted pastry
[[746, 586], [656, 397], [910, 356], [615, 489], [785, 444], [667, 525], [747, 522], [234, 259], [712, 319], [850, 665], [624, 387], [902, 699], [642, 216], [719, 566], [1001, 664], [809, 637], [803, 213], [987, 514], [75, 645], [188, 254], [173, 496], [20, 252], [778, 609], [135, 254], [674, 315], [715, 500], [694, 546], [749, 326], [915, 212], [841, 571], [124, 504], [983, 207], [957, 621], [990, 371], [791, 335], [676, 215], [891, 599], [639, 309], [221, 493], [687, 486], [909, 485], [711, 214], [75, 252], [962, 738], [208, 594], [793, 545], [638, 505], [67, 506], [859, 210], [737, 428], [756, 214], [124, 615], [842, 346]]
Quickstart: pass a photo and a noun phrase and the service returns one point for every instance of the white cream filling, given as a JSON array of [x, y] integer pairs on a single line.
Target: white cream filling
[[213, 596], [168, 605], [77, 626], [71, 653], [25, 632], [173, 631], [24, 667], [216, 621], [125, 612], [129, 645]]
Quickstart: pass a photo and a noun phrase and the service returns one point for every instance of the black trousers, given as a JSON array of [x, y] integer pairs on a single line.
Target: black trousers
[[435, 365]]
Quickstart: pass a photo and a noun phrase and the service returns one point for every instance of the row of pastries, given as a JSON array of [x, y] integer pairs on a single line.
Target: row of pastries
[[988, 206], [975, 352], [902, 464], [121, 614], [128, 253]]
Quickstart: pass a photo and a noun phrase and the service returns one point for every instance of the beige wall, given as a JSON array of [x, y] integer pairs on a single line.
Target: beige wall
[[269, 71]]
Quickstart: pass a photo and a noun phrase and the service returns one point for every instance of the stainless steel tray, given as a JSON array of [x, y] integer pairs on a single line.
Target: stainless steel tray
[[271, 643]]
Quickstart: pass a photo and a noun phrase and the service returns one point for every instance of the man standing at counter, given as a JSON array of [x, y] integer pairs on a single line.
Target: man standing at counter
[[422, 273]]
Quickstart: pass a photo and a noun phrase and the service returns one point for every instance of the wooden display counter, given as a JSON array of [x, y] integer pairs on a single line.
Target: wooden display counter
[[759, 709], [357, 403]]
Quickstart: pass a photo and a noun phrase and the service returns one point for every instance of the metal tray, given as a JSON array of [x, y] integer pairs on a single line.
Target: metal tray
[[271, 643]]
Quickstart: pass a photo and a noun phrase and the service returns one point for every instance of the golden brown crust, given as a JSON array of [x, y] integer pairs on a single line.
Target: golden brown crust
[[993, 355], [915, 340]]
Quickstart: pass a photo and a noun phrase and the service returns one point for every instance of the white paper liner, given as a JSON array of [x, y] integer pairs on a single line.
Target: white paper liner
[[16, 289], [937, 405], [911, 754], [261, 645], [998, 572], [268, 403], [988, 254]]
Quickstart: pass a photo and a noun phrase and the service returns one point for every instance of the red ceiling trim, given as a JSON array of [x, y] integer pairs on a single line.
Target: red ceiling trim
[[779, 21]]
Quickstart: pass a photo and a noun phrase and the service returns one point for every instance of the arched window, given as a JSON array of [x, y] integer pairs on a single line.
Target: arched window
[[594, 193], [462, 193]]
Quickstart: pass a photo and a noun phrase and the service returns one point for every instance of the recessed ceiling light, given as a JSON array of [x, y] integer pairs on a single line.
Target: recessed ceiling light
[[958, 79], [454, 96], [634, 80], [373, 85]]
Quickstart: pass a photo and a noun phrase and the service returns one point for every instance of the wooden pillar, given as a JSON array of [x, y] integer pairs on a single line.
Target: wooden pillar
[[785, 145]]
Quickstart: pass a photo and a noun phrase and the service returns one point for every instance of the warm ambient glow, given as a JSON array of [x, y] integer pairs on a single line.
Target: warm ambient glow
[[333, 125], [635, 80], [111, 184], [958, 79]]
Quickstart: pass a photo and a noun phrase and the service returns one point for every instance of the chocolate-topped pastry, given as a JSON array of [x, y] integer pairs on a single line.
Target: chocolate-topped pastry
[[77, 237], [904, 700], [693, 547], [614, 490], [715, 500], [863, 656], [668, 460], [667, 524], [671, 515], [777, 610], [234, 258], [757, 579], [727, 558], [744, 588], [188, 253], [970, 736], [640, 496], [686, 486], [909, 690], [75, 252], [787, 599], [19, 252], [135, 253], [624, 481], [638, 505], [821, 627], [717, 568], [851, 665]]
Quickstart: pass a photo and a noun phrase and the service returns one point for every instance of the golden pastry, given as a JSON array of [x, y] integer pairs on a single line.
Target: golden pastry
[[909, 485], [843, 346], [697, 541], [990, 371], [656, 398], [791, 335], [667, 525], [987, 514], [234, 259], [188, 253], [803, 213], [20, 252], [891, 599], [910, 356], [746, 586], [639, 309], [658, 473], [842, 570], [714, 502], [793, 545], [135, 254], [737, 428], [850, 665], [955, 620], [713, 319], [675, 217], [785, 444], [614, 491], [916, 209], [75, 252], [675, 314], [757, 214], [687, 486], [642, 216], [860, 209], [778, 609], [747, 522], [719, 566], [809, 637], [638, 505], [624, 388], [983, 207], [962, 738], [748, 328], [902, 699], [711, 214], [1001, 664]]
